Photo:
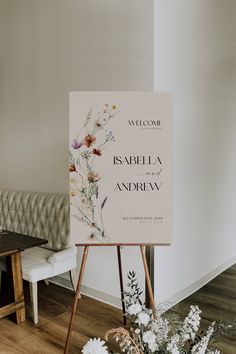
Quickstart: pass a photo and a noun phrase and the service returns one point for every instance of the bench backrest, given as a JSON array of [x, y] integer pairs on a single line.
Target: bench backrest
[[37, 214]]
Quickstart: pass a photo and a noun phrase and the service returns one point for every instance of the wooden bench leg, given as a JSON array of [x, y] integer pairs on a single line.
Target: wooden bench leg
[[18, 292], [34, 301]]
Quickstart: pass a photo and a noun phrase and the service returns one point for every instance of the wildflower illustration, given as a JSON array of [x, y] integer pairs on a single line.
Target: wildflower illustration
[[86, 149]]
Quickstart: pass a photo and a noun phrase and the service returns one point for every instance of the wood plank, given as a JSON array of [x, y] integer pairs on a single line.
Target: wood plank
[[11, 308]]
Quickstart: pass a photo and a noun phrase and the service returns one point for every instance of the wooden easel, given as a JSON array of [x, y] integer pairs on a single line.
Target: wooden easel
[[81, 274]]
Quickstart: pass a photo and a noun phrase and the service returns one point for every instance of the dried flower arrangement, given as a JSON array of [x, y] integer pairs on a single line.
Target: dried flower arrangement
[[164, 334]]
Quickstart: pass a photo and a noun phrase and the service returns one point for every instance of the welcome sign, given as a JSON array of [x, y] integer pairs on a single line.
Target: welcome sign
[[121, 167]]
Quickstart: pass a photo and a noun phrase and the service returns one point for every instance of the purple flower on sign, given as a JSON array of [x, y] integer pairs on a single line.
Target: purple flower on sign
[[76, 144]]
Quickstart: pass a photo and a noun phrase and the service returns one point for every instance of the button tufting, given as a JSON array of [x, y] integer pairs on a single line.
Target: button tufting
[[37, 214]]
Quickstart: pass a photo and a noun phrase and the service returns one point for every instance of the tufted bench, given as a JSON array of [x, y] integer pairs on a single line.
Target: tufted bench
[[45, 216]]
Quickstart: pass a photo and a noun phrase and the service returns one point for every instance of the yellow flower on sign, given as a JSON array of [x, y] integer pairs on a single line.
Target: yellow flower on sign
[[73, 180]]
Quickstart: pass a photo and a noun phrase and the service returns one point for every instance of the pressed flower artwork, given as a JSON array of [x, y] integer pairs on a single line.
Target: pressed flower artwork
[[120, 167], [86, 148]]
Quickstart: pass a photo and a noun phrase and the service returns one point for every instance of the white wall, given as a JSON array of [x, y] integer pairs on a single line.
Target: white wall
[[196, 59], [47, 48]]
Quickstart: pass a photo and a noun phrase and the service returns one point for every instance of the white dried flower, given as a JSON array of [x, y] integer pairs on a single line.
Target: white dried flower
[[172, 346], [149, 337], [95, 346], [201, 347], [134, 309], [153, 347], [191, 323], [161, 328], [143, 318]]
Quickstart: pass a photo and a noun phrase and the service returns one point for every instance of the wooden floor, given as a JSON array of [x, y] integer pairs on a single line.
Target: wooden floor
[[217, 300]]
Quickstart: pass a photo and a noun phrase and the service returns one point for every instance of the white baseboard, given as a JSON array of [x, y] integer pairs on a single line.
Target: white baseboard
[[101, 296], [59, 280], [181, 295], [91, 292]]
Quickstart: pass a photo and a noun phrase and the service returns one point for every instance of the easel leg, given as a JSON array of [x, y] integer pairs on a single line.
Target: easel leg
[[148, 280], [121, 283], [149, 251], [76, 298]]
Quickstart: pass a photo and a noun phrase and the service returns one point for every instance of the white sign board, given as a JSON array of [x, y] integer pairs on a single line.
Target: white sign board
[[121, 167]]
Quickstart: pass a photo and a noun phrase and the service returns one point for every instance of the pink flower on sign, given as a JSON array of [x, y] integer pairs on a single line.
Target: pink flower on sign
[[97, 152], [93, 177], [72, 167], [89, 140]]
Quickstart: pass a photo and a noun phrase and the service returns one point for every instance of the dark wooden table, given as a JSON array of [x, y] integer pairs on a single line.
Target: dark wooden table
[[11, 246]]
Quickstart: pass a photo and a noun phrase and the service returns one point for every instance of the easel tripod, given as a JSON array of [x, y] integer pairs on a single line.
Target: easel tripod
[[81, 274]]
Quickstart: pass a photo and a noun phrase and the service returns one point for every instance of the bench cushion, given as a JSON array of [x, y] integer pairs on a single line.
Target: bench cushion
[[35, 265]]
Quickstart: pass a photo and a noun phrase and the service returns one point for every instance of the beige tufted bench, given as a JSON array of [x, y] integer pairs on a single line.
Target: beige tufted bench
[[45, 216]]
